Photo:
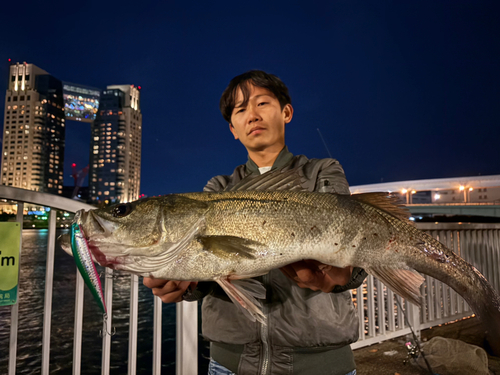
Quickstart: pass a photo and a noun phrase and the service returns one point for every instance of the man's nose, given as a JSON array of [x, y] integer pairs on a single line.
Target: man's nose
[[253, 114]]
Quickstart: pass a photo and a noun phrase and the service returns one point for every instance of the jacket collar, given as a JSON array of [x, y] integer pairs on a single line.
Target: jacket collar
[[283, 158]]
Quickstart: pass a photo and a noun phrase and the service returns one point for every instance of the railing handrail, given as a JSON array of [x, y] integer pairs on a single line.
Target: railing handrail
[[42, 199], [456, 226]]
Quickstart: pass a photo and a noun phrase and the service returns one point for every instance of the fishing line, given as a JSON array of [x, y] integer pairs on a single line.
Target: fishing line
[[324, 143], [415, 338]]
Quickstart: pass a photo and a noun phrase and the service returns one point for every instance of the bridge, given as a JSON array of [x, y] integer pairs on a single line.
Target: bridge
[[465, 193]]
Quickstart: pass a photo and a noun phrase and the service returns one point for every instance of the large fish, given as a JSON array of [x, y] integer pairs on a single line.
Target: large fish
[[235, 235]]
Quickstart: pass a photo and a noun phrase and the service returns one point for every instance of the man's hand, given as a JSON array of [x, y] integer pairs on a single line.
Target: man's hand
[[168, 290], [314, 275]]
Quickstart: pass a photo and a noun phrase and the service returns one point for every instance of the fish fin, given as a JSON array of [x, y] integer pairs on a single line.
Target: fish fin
[[406, 283], [244, 294], [229, 246], [270, 181], [386, 202]]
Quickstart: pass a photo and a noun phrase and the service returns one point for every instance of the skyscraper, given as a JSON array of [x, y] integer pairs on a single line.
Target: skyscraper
[[33, 136], [115, 146]]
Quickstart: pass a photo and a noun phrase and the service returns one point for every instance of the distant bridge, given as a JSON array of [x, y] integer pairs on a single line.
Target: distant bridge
[[461, 184], [468, 209]]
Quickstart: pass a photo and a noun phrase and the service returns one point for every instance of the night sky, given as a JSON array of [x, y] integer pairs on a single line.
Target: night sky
[[399, 89]]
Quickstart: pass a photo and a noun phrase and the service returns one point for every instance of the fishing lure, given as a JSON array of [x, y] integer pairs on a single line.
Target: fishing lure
[[85, 265]]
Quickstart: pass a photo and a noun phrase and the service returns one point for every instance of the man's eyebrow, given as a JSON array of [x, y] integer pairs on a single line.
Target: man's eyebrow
[[238, 104]]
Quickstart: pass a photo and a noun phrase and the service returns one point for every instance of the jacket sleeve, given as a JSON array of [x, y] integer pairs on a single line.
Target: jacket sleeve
[[331, 179], [215, 184]]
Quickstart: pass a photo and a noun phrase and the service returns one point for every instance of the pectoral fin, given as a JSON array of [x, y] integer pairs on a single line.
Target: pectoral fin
[[244, 294], [406, 283], [230, 246]]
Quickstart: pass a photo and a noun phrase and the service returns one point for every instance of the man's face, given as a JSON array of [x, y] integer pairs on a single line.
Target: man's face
[[260, 124]]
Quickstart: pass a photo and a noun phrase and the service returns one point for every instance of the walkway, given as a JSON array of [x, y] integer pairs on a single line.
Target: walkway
[[372, 360]]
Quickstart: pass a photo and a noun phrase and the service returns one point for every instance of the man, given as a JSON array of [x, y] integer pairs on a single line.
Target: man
[[310, 318]]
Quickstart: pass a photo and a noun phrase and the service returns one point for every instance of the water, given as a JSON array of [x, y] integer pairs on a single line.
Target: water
[[31, 301]]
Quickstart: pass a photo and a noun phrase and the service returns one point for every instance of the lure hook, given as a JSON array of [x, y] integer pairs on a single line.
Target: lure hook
[[104, 323]]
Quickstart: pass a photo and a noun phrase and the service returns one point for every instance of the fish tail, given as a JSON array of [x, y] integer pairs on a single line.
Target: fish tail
[[467, 281], [489, 312]]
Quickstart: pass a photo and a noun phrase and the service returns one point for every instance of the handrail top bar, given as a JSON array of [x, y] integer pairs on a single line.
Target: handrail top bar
[[456, 226], [42, 199]]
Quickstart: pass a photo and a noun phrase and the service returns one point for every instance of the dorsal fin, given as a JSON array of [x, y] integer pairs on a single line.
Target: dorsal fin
[[386, 202]]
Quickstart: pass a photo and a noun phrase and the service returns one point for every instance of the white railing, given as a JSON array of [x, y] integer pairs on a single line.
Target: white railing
[[380, 315], [187, 313], [381, 318]]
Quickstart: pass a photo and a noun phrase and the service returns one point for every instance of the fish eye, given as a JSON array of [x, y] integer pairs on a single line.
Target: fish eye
[[122, 210]]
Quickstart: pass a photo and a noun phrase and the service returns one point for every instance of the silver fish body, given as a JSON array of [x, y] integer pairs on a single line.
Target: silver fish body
[[241, 234]]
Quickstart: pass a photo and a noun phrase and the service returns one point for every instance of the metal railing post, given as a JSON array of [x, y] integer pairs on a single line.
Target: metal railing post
[[132, 335], [77, 335], [106, 326], [49, 280], [187, 338], [157, 336], [14, 312]]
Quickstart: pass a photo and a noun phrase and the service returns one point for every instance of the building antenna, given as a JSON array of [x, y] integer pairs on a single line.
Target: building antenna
[[324, 143]]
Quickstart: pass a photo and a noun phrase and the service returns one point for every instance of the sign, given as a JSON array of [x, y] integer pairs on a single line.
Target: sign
[[10, 235]]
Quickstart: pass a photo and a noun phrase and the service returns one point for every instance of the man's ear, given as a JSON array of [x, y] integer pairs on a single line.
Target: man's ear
[[287, 113], [231, 127]]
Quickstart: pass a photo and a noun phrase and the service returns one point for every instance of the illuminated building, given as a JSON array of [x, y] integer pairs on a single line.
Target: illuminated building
[[115, 146], [80, 102], [33, 136]]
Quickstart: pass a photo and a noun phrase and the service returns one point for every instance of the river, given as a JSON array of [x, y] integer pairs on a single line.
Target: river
[[31, 301]]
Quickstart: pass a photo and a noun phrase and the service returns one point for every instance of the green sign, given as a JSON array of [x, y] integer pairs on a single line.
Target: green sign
[[10, 235]]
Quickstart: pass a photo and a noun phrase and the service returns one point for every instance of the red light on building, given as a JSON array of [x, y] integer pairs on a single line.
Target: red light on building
[[139, 87], [73, 165], [10, 60]]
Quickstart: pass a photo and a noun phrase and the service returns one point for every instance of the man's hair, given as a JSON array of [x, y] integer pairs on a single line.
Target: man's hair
[[257, 78]]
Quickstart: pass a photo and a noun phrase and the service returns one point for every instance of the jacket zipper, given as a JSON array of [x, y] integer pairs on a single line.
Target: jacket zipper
[[264, 333]]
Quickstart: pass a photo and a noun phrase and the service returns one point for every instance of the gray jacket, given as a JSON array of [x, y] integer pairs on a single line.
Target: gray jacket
[[307, 332]]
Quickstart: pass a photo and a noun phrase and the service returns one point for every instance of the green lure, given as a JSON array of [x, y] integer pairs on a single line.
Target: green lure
[[85, 265]]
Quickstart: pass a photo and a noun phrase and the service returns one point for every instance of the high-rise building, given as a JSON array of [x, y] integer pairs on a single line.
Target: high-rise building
[[115, 146], [33, 136]]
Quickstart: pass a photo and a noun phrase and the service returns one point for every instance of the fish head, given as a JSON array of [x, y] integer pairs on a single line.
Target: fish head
[[118, 232], [139, 236]]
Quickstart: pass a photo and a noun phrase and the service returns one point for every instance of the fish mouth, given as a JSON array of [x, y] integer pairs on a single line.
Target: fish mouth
[[104, 230]]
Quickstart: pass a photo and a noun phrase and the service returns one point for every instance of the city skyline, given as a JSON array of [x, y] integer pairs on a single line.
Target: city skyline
[[37, 106], [399, 91]]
